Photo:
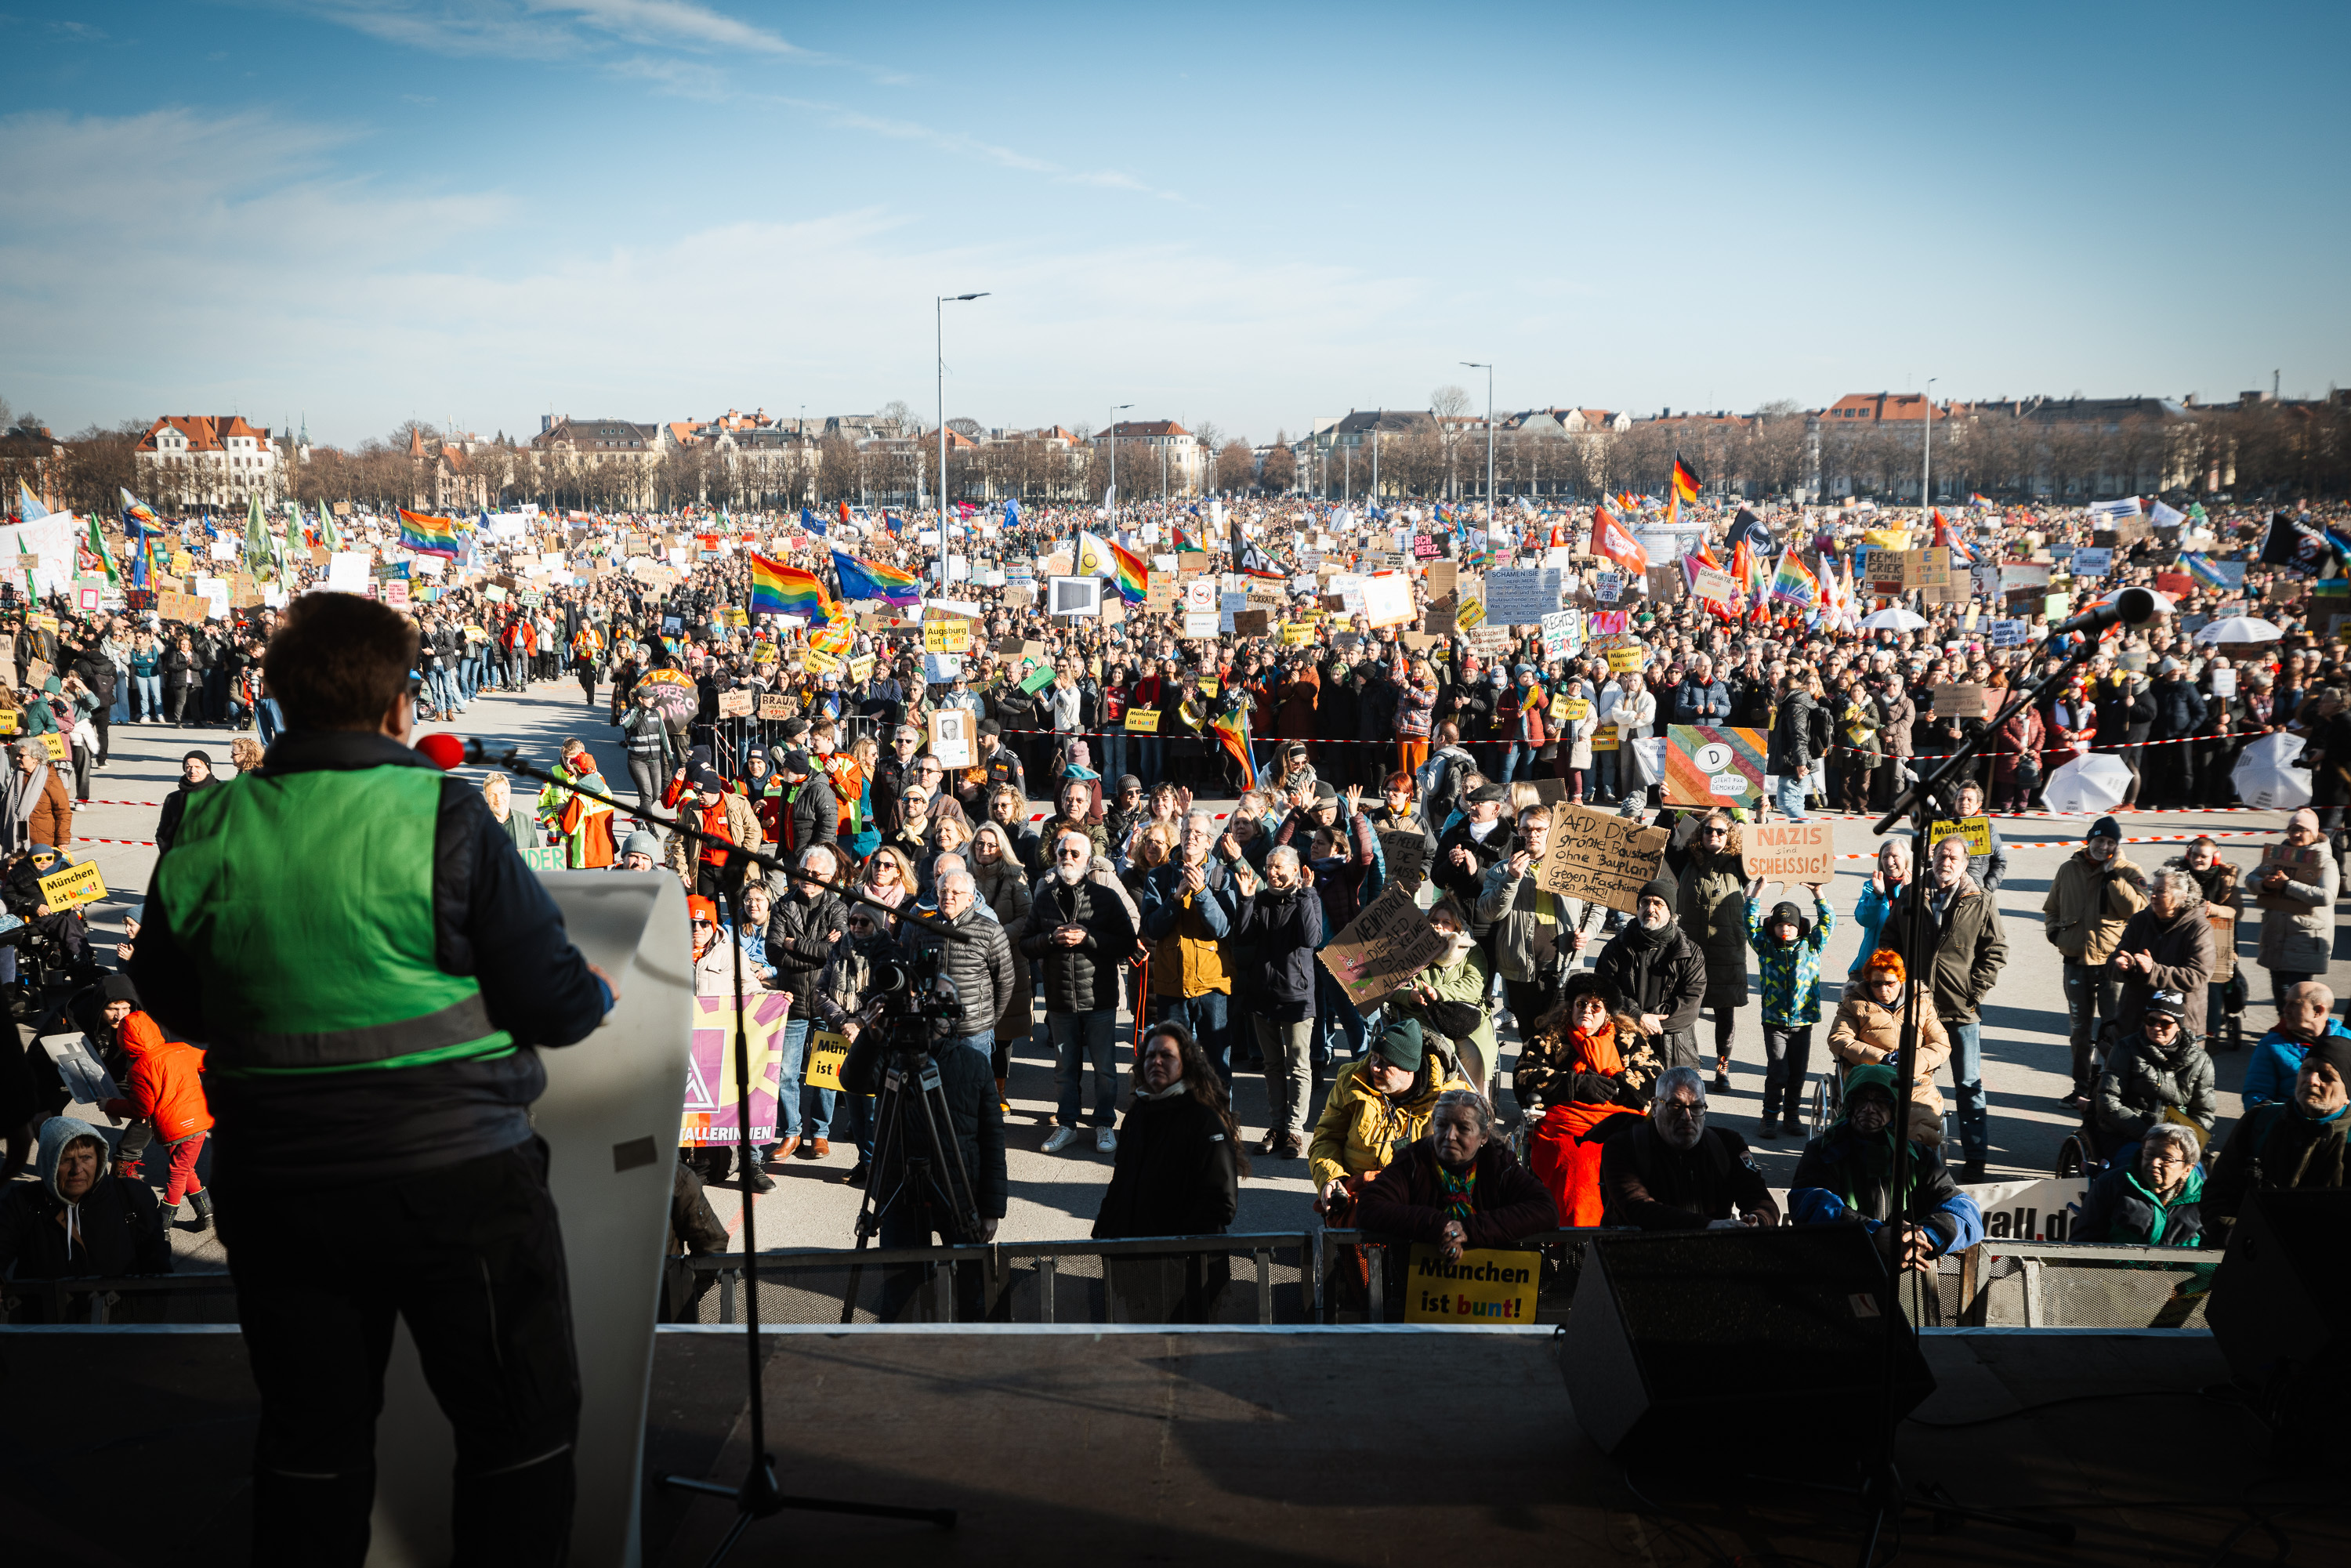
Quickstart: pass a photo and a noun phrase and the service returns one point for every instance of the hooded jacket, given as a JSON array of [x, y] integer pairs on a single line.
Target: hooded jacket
[[1789, 973], [2269, 1076], [166, 1089], [1712, 908], [1846, 1178], [1866, 1032], [117, 1228], [2297, 921], [2142, 1079], [1274, 933], [2181, 947], [2278, 1147], [2089, 905]]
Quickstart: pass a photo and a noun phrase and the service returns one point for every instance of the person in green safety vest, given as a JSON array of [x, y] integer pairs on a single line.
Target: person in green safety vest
[[372, 971]]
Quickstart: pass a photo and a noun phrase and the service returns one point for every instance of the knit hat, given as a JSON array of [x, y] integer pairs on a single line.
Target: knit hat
[[700, 908], [1786, 912], [2105, 827], [1870, 1075], [2167, 1004], [1128, 781], [2332, 1049], [117, 988], [1400, 1044], [204, 756], [705, 780], [794, 763], [1665, 888], [642, 842]]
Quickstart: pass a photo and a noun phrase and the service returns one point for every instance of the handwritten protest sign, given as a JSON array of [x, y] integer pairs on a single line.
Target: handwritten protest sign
[[1405, 851], [1968, 701], [736, 704], [772, 705], [55, 745], [1709, 767], [1600, 857], [1387, 944], [1490, 1287], [1788, 851]]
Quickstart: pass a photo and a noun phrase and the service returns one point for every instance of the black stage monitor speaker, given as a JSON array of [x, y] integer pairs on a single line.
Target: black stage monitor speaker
[[1709, 1340], [2283, 1293]]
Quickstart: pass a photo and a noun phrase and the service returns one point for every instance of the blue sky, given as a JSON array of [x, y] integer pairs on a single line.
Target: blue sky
[[485, 210]]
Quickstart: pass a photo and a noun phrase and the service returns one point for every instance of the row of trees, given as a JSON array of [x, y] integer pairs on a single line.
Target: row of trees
[[2257, 450]]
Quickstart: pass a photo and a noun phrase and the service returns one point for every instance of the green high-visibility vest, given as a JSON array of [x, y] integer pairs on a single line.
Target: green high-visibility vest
[[305, 900]]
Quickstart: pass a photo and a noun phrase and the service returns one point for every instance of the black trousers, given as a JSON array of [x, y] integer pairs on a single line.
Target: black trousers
[[1787, 1061], [471, 1257]]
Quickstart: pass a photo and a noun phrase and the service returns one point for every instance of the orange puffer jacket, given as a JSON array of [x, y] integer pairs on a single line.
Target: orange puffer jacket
[[167, 1086]]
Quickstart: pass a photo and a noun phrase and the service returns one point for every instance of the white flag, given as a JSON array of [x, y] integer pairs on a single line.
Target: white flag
[[2127, 506], [2165, 518]]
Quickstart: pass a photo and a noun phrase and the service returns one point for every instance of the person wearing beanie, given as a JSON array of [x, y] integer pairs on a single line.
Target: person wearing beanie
[[195, 773], [642, 852], [1788, 950], [1868, 1029], [2293, 1144], [1846, 1177], [1660, 974], [166, 1097], [2160, 1072], [1379, 1103], [2090, 903]]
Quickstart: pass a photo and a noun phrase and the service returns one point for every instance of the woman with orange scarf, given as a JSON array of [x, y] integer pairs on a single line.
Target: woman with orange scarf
[[1572, 1078]]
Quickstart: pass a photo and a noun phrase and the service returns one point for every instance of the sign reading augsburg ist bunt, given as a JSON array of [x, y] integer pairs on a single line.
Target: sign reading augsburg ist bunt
[[1601, 856]]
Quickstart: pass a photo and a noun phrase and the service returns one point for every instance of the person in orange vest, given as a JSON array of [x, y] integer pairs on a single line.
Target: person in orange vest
[[586, 649], [166, 1092]]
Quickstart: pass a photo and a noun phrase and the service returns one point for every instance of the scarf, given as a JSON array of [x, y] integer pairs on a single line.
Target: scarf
[[28, 791], [1460, 1192]]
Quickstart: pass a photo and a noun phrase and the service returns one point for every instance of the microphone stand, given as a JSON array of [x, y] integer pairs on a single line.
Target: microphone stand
[[1883, 1492], [759, 1496]]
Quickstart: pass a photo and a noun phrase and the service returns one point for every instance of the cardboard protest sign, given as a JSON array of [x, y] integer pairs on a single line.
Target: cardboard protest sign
[[1405, 851], [713, 1114], [735, 704], [1490, 1287], [1966, 701], [85, 1076], [1789, 851], [1600, 857], [772, 705], [1705, 765], [951, 736], [1716, 587], [1387, 601], [70, 886], [1976, 830], [1381, 947], [1253, 622]]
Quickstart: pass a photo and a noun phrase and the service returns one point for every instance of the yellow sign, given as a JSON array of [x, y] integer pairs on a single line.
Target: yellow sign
[[817, 662], [1977, 831], [862, 667], [8, 721], [73, 885], [1143, 721], [55, 745], [1605, 738], [1488, 1288], [1295, 634], [1208, 686], [946, 636], [1468, 615], [1625, 660], [827, 1051], [1576, 708]]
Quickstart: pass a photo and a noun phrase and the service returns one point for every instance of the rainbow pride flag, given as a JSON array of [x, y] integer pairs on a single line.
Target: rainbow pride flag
[[1794, 583], [873, 580], [428, 535], [1133, 578], [780, 589]]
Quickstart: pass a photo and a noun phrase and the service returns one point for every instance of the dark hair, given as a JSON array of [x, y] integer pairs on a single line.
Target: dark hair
[[1200, 1081], [338, 661], [1449, 907]]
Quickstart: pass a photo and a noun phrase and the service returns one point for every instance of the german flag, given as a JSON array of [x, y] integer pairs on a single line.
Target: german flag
[[1687, 484]]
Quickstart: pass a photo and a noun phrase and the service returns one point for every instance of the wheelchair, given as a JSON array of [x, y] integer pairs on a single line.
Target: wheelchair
[[1828, 1104]]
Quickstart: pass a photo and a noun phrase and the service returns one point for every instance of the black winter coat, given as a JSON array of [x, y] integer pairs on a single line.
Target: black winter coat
[[1270, 952], [983, 971], [121, 1232], [1465, 885], [968, 1081], [1791, 746], [1407, 1198], [799, 938], [1666, 975], [1083, 979], [815, 815], [1178, 1172]]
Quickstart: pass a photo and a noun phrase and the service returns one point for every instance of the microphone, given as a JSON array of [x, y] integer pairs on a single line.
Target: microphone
[[2131, 607], [448, 751]]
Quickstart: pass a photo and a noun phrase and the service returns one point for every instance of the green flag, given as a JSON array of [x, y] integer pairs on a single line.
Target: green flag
[[326, 535], [105, 556], [258, 551]]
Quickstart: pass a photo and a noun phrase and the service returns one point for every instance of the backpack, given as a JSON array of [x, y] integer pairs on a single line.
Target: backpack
[[1440, 785]]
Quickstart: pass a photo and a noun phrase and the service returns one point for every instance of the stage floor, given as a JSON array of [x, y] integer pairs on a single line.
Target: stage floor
[[1383, 1445]]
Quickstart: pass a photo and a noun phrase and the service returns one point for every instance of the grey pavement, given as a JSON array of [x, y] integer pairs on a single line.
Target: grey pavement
[[1055, 1197]]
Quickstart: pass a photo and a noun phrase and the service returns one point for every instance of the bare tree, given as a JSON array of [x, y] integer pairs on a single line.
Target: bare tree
[[1236, 466]]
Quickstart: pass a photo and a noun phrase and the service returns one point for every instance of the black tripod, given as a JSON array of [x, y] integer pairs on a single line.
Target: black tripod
[[1934, 798], [913, 1134], [758, 1497]]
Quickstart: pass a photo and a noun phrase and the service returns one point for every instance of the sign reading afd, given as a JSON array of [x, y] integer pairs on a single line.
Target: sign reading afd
[[1489, 1287]]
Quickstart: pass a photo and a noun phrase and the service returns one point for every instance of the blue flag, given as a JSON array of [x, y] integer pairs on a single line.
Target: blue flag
[[809, 521], [1011, 513]]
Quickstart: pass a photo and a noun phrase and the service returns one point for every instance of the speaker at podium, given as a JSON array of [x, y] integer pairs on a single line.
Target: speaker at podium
[[609, 1117]]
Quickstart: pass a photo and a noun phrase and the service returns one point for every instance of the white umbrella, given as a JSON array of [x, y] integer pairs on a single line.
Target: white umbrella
[[2239, 628], [2266, 777], [1894, 618], [2094, 782]]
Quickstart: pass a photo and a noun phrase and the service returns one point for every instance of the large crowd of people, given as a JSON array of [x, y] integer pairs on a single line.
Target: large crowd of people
[[1042, 785]]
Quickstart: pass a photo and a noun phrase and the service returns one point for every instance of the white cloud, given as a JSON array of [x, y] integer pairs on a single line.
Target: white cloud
[[550, 29]]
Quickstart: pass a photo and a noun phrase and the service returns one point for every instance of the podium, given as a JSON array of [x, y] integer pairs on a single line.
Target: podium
[[609, 1117]]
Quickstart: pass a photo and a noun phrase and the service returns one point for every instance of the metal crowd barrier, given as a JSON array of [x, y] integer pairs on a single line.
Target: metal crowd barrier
[[1314, 1277]]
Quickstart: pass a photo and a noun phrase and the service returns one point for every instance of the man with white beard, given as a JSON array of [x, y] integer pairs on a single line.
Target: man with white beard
[[1660, 972], [1673, 1172], [1083, 932]]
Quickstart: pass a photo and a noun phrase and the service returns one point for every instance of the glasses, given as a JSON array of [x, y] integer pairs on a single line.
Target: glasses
[[701, 926], [1072, 854], [1714, 832]]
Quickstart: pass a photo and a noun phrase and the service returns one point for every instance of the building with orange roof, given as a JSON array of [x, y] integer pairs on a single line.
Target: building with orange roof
[[195, 460]]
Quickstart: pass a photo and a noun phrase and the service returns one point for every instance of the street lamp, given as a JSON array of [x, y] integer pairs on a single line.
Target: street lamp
[[1927, 457], [1491, 513], [1110, 497], [938, 327]]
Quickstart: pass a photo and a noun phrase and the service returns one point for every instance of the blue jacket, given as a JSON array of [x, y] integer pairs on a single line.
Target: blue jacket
[[2269, 1076], [1828, 1188], [1702, 704], [1789, 976], [1869, 912]]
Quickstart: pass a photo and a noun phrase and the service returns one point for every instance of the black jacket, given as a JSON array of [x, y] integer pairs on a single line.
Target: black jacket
[[1465, 885], [968, 1083], [1084, 978], [121, 1232], [1663, 974], [801, 927], [1270, 952], [815, 817], [1647, 1182], [1407, 1198], [2273, 1147], [1178, 1172], [492, 920], [1791, 750], [982, 967], [175, 806]]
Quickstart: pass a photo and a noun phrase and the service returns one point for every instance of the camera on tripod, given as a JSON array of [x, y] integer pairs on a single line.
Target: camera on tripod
[[920, 1005]]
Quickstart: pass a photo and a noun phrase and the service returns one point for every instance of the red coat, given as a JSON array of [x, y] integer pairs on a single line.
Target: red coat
[[167, 1086]]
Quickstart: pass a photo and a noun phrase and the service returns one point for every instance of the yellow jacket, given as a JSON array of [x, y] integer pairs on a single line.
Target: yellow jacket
[[1361, 1129]]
